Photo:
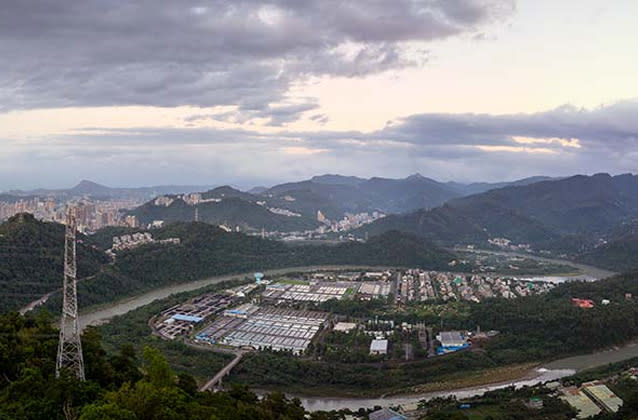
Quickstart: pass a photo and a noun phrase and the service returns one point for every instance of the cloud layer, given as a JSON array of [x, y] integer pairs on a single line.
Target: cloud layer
[[464, 147], [217, 52]]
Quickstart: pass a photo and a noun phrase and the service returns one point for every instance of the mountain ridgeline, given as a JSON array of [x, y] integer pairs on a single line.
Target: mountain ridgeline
[[95, 190], [576, 210], [333, 195]]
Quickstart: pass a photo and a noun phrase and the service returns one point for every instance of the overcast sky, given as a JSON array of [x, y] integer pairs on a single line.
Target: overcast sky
[[248, 92]]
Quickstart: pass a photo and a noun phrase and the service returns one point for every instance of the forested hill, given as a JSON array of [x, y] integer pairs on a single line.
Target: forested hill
[[619, 253], [230, 207], [205, 250], [31, 259], [542, 213], [124, 385]]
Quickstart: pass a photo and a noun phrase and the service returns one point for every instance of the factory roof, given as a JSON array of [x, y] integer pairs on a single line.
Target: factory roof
[[604, 396], [585, 407], [451, 339], [379, 345], [386, 414], [189, 318], [345, 326]]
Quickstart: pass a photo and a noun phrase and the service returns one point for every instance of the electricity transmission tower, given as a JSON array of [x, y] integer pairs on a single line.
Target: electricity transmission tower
[[70, 347]]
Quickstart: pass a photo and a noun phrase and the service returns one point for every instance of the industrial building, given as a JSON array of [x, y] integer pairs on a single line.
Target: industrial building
[[276, 329], [603, 396], [377, 289], [378, 346], [180, 319], [451, 341], [317, 292], [580, 402], [242, 311], [386, 414], [344, 326]]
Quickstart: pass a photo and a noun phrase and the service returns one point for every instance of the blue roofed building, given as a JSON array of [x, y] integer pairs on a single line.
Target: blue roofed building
[[187, 318]]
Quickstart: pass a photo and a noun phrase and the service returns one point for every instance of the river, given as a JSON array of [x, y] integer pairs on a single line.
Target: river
[[328, 404], [550, 372], [105, 312], [587, 272]]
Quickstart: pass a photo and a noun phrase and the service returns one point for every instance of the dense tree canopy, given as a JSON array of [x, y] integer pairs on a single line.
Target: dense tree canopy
[[118, 386]]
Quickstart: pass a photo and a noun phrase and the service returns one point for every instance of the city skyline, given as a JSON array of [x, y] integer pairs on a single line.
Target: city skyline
[[249, 93]]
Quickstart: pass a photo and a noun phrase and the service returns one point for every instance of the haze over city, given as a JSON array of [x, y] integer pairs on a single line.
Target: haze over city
[[256, 93]]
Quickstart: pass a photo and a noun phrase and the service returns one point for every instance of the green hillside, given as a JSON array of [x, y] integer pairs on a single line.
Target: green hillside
[[31, 260], [124, 385], [620, 254], [545, 214], [206, 250], [232, 210]]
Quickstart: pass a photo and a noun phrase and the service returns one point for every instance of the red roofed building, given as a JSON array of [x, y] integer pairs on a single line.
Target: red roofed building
[[583, 303]]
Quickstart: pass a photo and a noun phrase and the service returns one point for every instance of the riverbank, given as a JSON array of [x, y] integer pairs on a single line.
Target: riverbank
[[103, 313], [588, 272], [543, 373], [531, 378]]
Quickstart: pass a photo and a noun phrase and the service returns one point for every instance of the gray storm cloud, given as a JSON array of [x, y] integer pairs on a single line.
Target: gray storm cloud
[[205, 53]]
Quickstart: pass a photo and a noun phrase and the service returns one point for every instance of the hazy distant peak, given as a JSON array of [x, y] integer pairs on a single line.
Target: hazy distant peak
[[416, 175], [89, 187], [257, 190], [335, 179]]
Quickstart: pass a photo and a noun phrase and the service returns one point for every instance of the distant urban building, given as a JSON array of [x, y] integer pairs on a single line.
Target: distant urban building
[[321, 218]]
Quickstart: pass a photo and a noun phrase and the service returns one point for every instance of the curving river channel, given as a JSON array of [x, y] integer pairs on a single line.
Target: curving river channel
[[552, 371]]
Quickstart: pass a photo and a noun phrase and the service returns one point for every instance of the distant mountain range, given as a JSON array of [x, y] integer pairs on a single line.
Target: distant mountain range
[[577, 209], [224, 206], [90, 188], [333, 195]]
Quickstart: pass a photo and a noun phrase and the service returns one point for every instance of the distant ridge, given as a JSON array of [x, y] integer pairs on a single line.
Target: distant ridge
[[333, 179], [589, 207], [332, 194], [91, 188]]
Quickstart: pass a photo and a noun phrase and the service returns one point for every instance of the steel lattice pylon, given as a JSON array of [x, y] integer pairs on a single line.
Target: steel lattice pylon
[[70, 346]]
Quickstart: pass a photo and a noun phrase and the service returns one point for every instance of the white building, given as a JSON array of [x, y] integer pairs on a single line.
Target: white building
[[379, 346]]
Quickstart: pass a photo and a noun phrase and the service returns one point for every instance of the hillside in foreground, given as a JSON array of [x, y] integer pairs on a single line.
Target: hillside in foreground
[[32, 259]]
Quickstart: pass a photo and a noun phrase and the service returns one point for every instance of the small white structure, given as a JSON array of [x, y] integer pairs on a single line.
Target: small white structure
[[345, 326], [379, 346]]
